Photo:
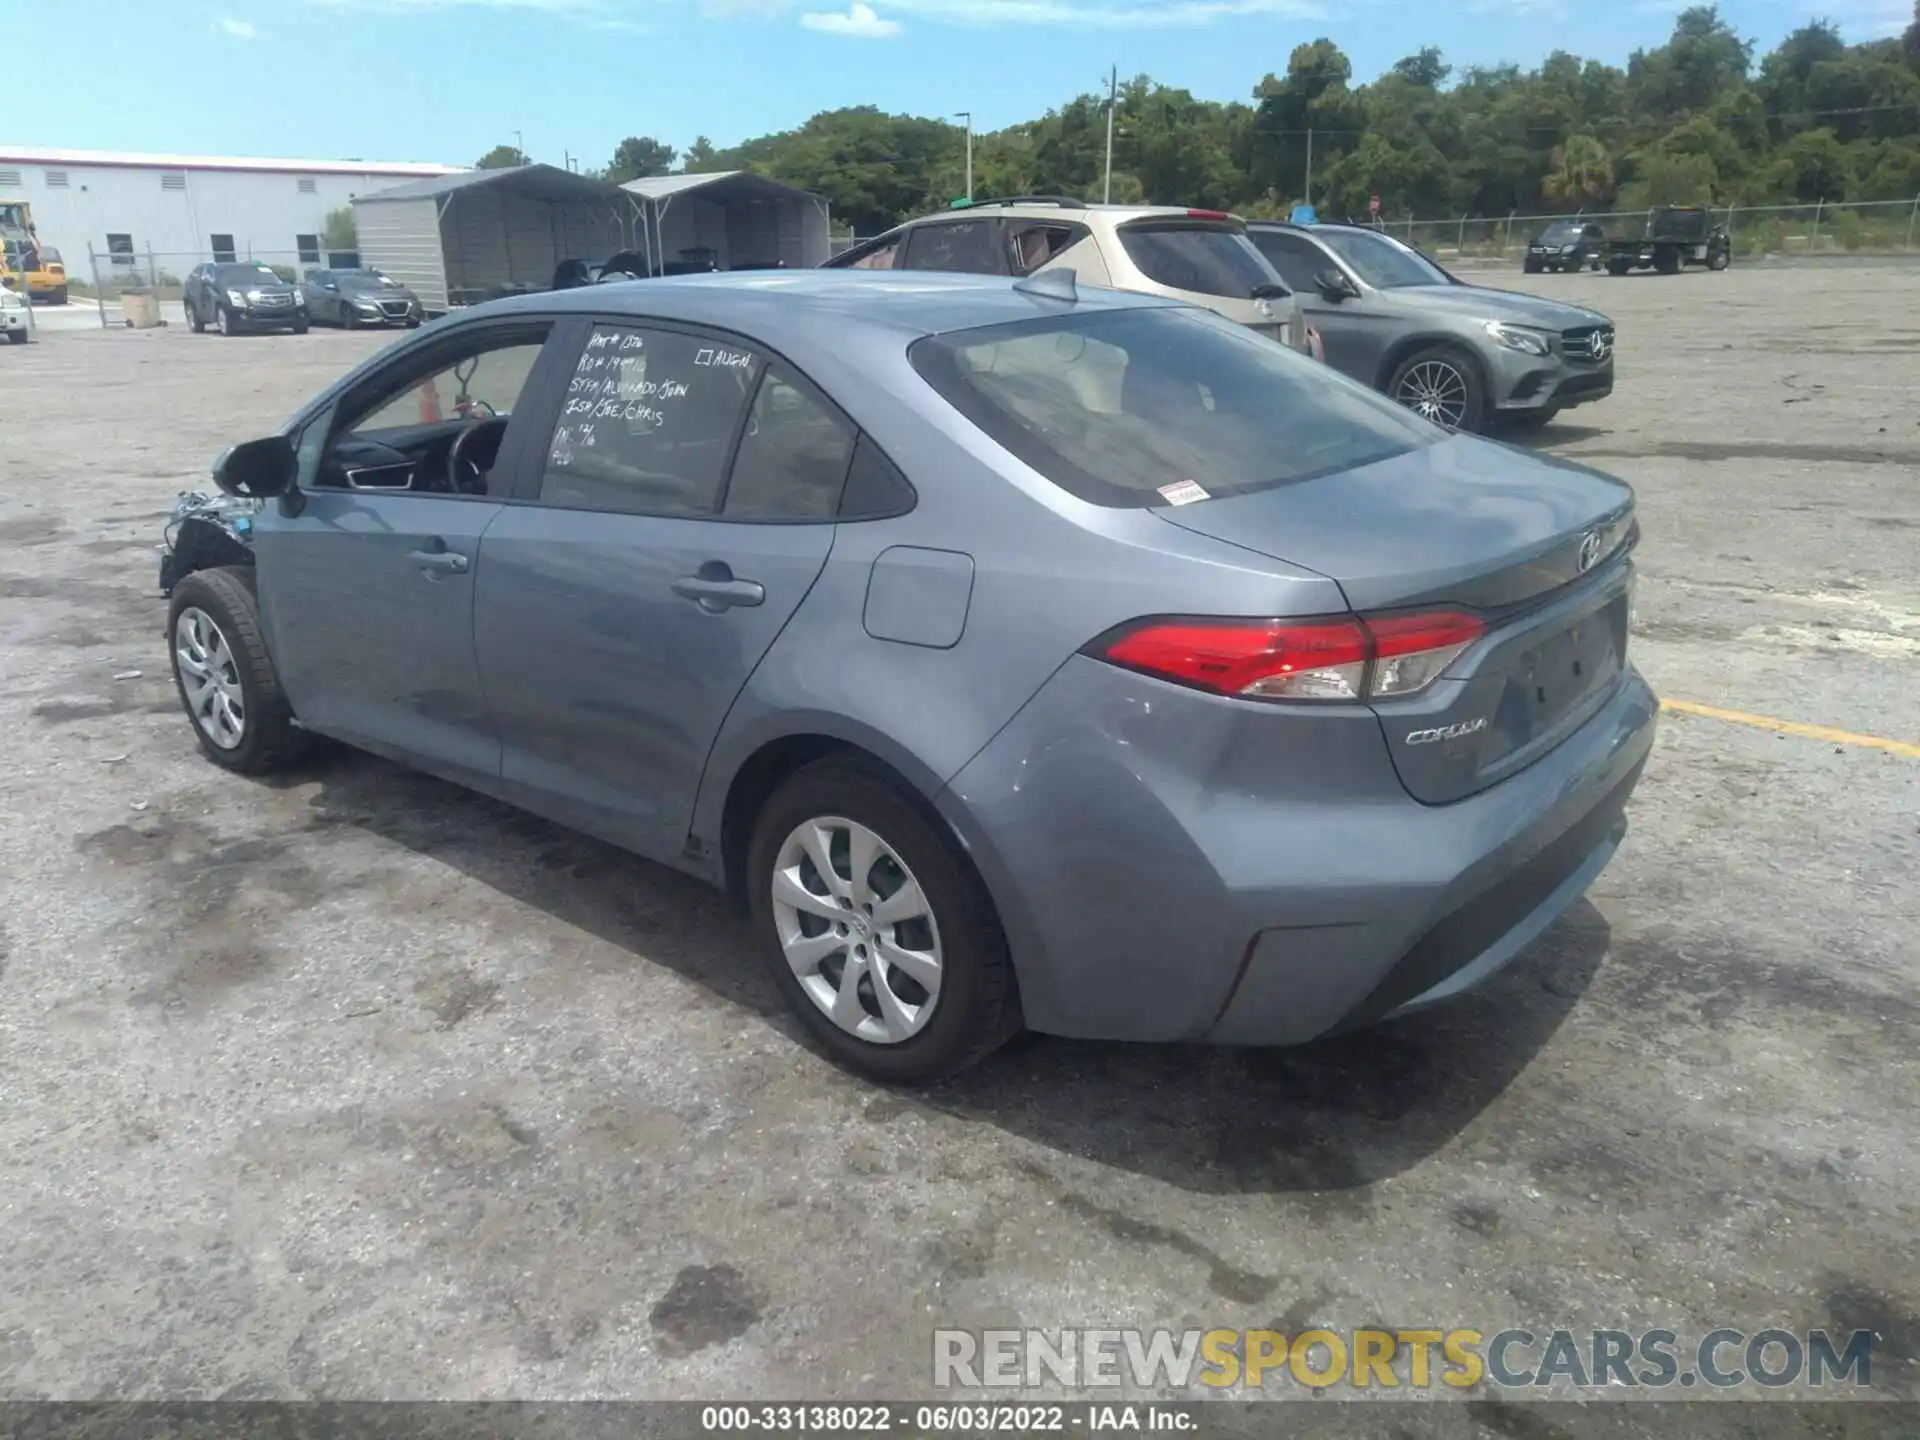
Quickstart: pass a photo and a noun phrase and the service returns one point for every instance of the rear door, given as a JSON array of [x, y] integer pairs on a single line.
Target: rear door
[[679, 510], [367, 590]]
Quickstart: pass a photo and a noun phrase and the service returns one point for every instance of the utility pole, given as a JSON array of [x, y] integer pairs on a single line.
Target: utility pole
[[1309, 194], [519, 147], [967, 115], [1113, 97]]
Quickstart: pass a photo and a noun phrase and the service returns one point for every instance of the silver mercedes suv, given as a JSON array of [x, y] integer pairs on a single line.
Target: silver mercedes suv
[[1200, 256], [1465, 356]]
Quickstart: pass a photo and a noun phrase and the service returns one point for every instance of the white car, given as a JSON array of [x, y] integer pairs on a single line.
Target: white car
[[13, 313]]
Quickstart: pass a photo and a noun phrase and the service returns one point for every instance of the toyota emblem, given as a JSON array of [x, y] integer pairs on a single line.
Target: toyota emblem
[[1589, 550]]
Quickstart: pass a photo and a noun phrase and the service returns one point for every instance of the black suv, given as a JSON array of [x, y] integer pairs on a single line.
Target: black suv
[[361, 297], [1566, 245], [243, 295]]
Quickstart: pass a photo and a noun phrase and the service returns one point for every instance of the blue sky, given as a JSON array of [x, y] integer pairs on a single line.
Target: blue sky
[[446, 79]]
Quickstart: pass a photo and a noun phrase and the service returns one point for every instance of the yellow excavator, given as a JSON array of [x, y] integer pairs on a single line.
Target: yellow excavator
[[34, 267]]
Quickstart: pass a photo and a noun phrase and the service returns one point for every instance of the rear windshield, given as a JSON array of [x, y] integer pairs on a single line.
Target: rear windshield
[[1115, 407], [1201, 259]]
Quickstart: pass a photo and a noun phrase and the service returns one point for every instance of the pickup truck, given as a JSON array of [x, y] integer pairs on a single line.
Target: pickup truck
[[1675, 237]]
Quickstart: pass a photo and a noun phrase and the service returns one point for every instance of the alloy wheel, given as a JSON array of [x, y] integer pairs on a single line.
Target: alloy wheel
[[1436, 391], [210, 678], [857, 930]]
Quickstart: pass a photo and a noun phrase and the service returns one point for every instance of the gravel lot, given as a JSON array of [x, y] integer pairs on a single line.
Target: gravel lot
[[356, 1085]]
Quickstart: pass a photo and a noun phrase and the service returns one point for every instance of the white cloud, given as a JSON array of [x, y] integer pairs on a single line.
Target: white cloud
[[236, 29], [860, 22]]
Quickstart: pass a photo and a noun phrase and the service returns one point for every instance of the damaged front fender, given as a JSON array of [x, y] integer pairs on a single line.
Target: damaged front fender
[[204, 531]]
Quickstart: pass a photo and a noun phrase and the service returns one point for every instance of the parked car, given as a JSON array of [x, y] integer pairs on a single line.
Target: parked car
[[913, 611], [623, 265], [1566, 245], [1199, 256], [1674, 237], [244, 295], [352, 298], [13, 313], [1464, 356]]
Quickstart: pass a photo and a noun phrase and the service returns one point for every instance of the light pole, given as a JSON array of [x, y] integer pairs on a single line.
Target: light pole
[[967, 115], [1113, 98]]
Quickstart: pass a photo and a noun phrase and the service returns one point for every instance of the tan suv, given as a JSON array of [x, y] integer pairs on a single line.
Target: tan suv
[[1200, 256]]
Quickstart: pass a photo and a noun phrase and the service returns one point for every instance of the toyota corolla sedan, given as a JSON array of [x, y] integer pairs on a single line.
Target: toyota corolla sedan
[[1017, 655]]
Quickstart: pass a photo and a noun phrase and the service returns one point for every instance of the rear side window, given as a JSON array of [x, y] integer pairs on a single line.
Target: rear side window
[[1297, 259], [969, 246], [1201, 259], [1113, 408], [648, 422], [793, 456]]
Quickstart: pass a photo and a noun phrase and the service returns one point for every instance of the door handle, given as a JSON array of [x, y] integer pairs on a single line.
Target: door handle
[[440, 562], [715, 589]]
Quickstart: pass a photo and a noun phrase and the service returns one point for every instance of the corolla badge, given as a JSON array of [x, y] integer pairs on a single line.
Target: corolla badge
[[1589, 550], [1447, 732]]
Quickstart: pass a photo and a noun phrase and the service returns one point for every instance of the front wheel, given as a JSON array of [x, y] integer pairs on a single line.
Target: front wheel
[[880, 936], [229, 324], [1719, 260], [1618, 267], [1529, 267], [224, 676], [16, 337], [301, 328], [58, 297], [1442, 385]]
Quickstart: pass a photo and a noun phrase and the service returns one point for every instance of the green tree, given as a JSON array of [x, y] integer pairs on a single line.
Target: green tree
[[699, 156], [1580, 173], [501, 157], [638, 156], [340, 231]]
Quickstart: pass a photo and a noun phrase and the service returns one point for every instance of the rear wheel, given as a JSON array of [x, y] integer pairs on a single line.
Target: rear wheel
[[1443, 385], [880, 936], [224, 676], [194, 322]]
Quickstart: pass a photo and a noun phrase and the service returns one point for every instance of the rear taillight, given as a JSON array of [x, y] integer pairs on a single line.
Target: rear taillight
[[1343, 658]]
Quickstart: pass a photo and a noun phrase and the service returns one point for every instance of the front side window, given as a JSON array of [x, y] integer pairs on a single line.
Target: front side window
[[793, 455], [1200, 259], [970, 247], [484, 385], [1115, 407], [1382, 261], [648, 422]]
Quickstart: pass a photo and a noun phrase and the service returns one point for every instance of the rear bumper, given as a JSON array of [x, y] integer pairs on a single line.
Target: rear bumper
[[1170, 866]]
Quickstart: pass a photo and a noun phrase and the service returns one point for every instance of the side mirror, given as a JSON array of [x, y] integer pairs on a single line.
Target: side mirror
[[258, 468], [1335, 286]]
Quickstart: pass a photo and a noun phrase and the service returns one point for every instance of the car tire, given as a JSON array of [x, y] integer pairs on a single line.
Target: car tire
[[194, 322], [413, 322], [1719, 260], [218, 653], [346, 317], [225, 320], [1443, 384], [301, 328], [1529, 267], [59, 297], [975, 1006], [16, 337], [1618, 267]]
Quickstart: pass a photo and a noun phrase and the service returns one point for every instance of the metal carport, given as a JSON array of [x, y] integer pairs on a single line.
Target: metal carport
[[741, 219], [460, 239]]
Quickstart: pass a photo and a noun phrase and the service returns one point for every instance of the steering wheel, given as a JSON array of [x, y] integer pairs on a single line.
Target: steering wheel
[[472, 454]]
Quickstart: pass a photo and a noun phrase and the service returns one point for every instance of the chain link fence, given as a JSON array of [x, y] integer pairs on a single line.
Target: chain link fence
[[1880, 227], [111, 276]]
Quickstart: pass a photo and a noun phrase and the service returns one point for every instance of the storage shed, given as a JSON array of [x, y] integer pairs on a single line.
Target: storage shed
[[460, 239], [733, 220]]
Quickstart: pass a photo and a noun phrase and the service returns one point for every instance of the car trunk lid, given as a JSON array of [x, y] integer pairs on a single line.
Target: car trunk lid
[[1536, 548]]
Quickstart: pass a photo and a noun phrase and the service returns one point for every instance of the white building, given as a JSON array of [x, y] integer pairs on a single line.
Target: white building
[[187, 208]]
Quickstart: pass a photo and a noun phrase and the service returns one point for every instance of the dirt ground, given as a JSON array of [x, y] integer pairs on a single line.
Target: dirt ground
[[355, 1085]]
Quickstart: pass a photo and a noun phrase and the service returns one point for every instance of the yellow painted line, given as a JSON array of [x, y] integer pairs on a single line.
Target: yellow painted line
[[1792, 727]]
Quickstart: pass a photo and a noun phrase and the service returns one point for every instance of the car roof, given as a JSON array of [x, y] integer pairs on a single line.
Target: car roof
[[800, 308]]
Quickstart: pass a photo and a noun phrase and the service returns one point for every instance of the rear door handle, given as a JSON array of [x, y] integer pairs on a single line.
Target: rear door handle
[[714, 589], [440, 562]]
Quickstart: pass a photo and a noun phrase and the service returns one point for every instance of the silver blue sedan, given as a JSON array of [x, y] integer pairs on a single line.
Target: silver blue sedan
[[1017, 656]]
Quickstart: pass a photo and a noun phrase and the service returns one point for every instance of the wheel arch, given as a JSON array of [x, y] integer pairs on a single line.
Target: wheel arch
[[203, 545], [1397, 356]]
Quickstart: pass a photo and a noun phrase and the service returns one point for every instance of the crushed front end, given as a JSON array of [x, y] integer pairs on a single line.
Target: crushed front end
[[204, 531]]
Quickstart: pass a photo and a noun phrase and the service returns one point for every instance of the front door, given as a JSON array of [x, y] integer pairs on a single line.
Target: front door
[[367, 590], [683, 509]]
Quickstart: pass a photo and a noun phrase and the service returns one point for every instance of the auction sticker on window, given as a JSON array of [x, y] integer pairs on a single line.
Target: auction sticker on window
[[1182, 492]]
